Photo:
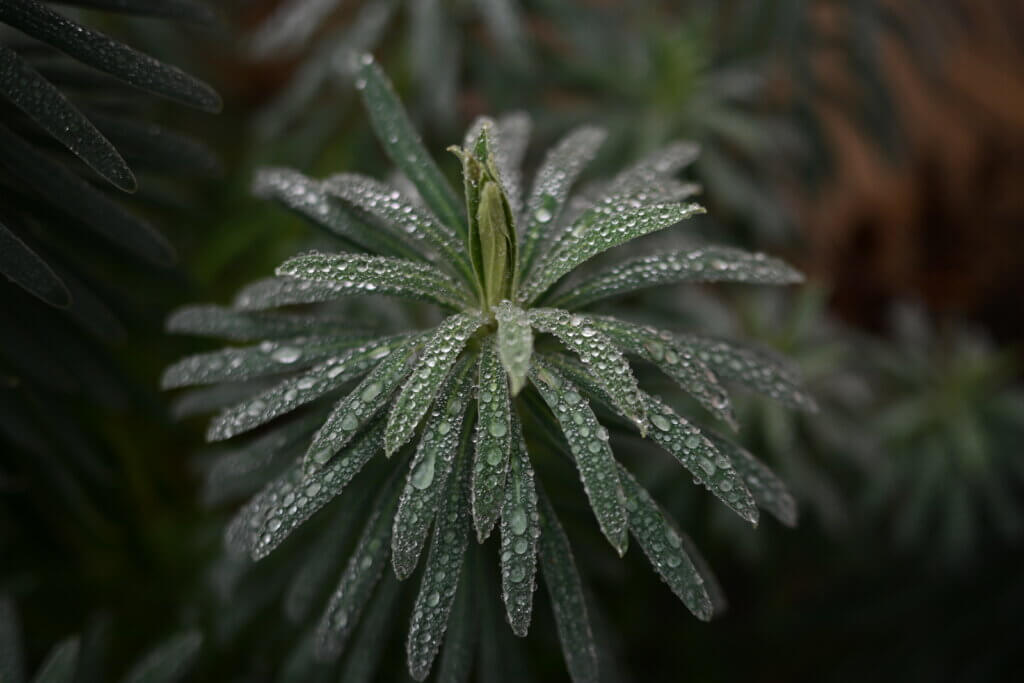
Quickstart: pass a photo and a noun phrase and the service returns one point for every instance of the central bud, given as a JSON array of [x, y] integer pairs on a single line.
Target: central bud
[[492, 233]]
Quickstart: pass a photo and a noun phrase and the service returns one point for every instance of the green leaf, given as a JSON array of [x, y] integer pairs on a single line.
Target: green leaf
[[497, 243], [588, 442], [554, 179], [439, 355], [371, 642], [706, 264], [515, 342], [493, 441], [613, 222], [41, 101], [291, 499], [169, 661], [770, 493], [654, 169], [12, 666], [443, 570], [296, 391], [59, 666], [354, 411], [362, 274], [362, 573], [683, 366], [566, 593], [266, 358], [217, 321], [457, 656], [445, 436], [600, 355], [401, 142], [664, 546], [511, 136], [520, 529], [22, 266], [406, 221], [99, 51], [757, 370]]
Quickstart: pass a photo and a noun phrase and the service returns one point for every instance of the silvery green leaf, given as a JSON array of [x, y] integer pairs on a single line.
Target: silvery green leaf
[[705, 264], [290, 26], [402, 143], [60, 662], [81, 201], [287, 502], [352, 413], [757, 370], [266, 358], [41, 101], [613, 222], [513, 135], [515, 342], [588, 441], [654, 168], [308, 198], [679, 363], [770, 493], [370, 645], [520, 530], [554, 179], [299, 390], [362, 573], [117, 59], [599, 354], [445, 436], [443, 570], [169, 661], [664, 546], [24, 267], [439, 355], [362, 274], [272, 292], [493, 440], [217, 321], [700, 456], [406, 220], [567, 601]]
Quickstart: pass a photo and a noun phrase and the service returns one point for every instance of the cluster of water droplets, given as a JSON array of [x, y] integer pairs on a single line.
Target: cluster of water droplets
[[770, 493], [599, 354], [492, 440], [439, 355], [588, 442], [520, 533]]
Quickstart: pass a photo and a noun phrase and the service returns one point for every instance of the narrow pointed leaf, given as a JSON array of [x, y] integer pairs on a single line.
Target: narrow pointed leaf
[[370, 645], [520, 531], [22, 266], [288, 501], [309, 198], [607, 225], [445, 435], [493, 441], [81, 201], [362, 573], [515, 343], [362, 274], [513, 135], [273, 292], [267, 358], [217, 321], [770, 493], [663, 544], [117, 59], [291, 25], [169, 662], [757, 370], [402, 143], [59, 666], [557, 173], [679, 363], [41, 101], [599, 354], [439, 355], [352, 413], [302, 389], [442, 572], [588, 442], [566, 593], [654, 169], [408, 221], [707, 264], [459, 643]]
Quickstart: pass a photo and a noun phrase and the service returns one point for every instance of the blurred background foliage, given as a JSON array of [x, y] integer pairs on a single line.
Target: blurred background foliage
[[877, 144]]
